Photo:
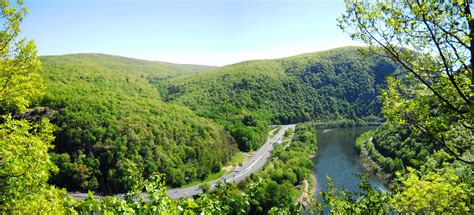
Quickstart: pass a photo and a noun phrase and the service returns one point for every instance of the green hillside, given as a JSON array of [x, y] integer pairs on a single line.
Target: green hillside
[[338, 87], [112, 125]]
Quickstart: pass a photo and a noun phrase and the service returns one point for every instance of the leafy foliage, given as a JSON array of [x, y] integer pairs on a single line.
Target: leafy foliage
[[25, 164], [393, 146], [431, 41], [280, 183], [368, 201], [439, 190], [20, 82], [435, 191]]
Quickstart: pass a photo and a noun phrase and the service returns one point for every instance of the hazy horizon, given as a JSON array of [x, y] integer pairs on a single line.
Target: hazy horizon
[[209, 32], [199, 64]]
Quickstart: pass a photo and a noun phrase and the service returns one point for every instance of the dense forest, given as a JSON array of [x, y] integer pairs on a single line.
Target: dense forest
[[110, 122], [392, 148], [338, 87]]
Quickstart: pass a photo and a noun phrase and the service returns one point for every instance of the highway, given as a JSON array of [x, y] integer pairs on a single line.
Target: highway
[[252, 165]]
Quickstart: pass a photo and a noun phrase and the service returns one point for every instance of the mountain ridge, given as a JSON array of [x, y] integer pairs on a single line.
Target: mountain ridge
[[339, 85], [198, 64], [117, 113]]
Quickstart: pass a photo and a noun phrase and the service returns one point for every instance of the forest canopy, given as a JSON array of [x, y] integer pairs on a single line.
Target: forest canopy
[[111, 123], [339, 87]]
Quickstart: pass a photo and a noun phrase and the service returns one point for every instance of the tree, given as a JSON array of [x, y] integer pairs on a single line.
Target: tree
[[434, 192], [205, 187], [25, 163], [25, 167], [367, 201], [432, 43], [20, 82]]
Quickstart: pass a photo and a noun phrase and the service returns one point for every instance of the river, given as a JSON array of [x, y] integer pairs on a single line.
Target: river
[[338, 159]]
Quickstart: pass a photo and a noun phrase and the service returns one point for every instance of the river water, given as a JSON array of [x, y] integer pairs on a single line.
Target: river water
[[338, 159]]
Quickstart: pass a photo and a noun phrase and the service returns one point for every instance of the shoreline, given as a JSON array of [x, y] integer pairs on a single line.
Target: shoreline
[[310, 187], [370, 165], [313, 175], [315, 183]]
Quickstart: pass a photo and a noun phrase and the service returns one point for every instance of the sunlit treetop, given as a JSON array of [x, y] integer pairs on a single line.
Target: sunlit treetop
[[20, 83]]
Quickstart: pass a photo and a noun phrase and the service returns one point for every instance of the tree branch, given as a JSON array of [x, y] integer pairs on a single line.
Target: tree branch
[[395, 56], [443, 58], [441, 142], [470, 21]]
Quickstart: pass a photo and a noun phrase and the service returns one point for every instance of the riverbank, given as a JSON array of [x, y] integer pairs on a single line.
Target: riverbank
[[313, 181], [309, 189], [348, 123], [370, 165], [366, 148]]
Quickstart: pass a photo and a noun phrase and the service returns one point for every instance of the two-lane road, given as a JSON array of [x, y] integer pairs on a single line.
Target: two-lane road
[[252, 165]]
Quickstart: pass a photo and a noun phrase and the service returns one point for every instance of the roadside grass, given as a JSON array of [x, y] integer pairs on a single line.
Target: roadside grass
[[288, 137], [209, 178], [239, 157], [273, 130]]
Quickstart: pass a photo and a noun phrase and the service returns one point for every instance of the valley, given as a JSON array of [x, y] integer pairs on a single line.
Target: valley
[[116, 113], [290, 116], [130, 124], [122, 122]]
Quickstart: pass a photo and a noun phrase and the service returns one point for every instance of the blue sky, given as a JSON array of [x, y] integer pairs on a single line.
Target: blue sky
[[211, 32]]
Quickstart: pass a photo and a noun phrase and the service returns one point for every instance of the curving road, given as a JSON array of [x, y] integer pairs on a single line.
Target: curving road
[[252, 165]]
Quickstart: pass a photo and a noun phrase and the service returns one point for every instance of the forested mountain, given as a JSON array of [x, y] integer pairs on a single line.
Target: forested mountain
[[111, 124], [112, 121], [338, 87]]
